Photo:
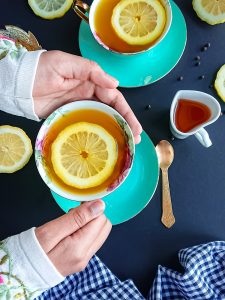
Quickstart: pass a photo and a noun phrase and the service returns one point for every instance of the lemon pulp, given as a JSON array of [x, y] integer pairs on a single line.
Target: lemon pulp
[[84, 155], [138, 22]]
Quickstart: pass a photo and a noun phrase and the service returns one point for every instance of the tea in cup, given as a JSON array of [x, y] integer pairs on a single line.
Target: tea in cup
[[128, 26], [190, 112], [84, 150]]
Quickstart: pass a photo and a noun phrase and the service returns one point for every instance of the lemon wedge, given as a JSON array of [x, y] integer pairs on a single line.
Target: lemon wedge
[[50, 9], [84, 155], [15, 149], [210, 11], [220, 83], [138, 22]]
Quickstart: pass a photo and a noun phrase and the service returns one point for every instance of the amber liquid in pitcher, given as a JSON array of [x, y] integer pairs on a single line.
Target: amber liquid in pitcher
[[190, 114], [105, 31], [92, 116]]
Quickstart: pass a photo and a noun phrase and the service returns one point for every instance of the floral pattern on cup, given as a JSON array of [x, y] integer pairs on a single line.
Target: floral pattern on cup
[[126, 169], [39, 145], [129, 154]]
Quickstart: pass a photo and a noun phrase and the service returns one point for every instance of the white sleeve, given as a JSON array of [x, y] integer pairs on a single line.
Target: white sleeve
[[17, 74], [25, 269]]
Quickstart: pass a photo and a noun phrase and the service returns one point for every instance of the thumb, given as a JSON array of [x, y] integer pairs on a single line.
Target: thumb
[[51, 233]]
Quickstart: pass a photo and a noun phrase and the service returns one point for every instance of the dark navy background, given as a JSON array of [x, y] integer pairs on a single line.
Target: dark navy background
[[135, 248]]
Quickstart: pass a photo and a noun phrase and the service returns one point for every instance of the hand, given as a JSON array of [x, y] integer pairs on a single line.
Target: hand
[[63, 77], [71, 240]]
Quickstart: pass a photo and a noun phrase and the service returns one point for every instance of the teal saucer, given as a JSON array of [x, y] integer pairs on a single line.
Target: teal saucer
[[135, 193], [140, 69]]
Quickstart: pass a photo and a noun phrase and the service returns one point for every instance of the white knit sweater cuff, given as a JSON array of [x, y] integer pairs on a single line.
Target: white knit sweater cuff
[[24, 82]]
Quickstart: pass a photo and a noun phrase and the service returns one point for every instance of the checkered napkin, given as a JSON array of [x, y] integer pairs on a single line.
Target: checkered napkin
[[203, 278]]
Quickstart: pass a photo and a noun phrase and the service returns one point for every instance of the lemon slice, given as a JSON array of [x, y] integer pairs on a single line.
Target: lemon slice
[[220, 83], [50, 9], [15, 149], [84, 155], [210, 11], [138, 22]]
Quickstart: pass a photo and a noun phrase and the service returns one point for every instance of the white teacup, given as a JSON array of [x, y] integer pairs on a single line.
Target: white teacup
[[199, 131], [88, 13]]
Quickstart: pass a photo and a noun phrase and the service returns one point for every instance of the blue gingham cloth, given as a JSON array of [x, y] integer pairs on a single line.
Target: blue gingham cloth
[[203, 278]]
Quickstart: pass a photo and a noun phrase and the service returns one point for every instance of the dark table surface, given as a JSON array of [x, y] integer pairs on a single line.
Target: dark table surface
[[135, 249]]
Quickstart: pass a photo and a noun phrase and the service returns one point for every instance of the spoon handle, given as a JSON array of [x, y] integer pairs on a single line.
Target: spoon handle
[[167, 215]]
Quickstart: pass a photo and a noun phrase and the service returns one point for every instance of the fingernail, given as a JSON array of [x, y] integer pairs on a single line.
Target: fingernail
[[137, 139], [97, 207]]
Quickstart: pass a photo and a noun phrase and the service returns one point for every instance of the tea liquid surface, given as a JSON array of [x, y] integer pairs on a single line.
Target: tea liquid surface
[[92, 116], [190, 114], [104, 29]]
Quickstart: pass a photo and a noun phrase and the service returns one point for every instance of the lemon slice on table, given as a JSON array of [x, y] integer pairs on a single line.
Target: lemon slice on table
[[15, 149], [50, 9], [84, 155], [138, 22], [210, 11], [220, 83]]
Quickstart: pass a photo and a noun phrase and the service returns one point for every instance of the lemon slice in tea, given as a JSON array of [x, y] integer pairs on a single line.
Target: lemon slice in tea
[[84, 155], [210, 11], [15, 149], [138, 22], [50, 9], [220, 83]]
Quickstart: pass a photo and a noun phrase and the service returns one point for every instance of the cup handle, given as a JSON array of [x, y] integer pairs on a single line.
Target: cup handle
[[203, 137], [80, 9]]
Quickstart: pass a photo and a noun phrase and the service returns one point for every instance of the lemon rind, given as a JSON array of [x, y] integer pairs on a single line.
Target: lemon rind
[[219, 77]]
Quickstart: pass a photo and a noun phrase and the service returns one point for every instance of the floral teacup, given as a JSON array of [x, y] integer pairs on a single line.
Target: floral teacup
[[43, 167]]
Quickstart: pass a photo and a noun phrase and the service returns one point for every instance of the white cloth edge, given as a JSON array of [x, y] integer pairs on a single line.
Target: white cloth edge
[[30, 264], [38, 259]]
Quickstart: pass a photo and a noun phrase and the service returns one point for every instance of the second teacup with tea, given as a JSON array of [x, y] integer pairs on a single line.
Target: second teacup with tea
[[127, 26], [84, 150]]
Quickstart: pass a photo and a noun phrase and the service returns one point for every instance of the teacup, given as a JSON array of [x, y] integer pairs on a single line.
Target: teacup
[[88, 14], [44, 136], [199, 131]]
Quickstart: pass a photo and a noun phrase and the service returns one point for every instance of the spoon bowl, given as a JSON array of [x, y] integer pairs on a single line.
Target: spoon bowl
[[165, 154]]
